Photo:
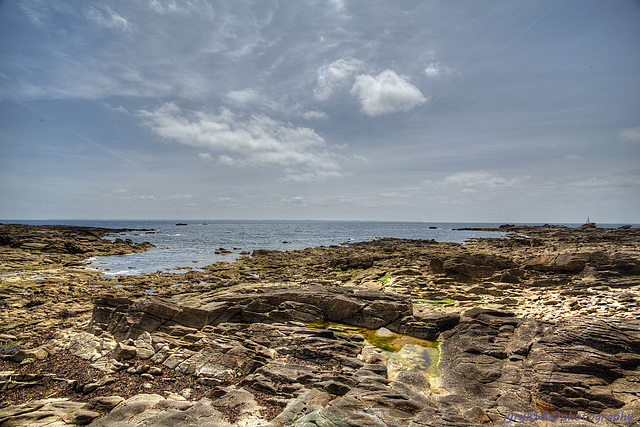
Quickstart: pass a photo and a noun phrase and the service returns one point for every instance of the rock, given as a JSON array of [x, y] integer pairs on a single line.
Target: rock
[[144, 346], [155, 371], [91, 387], [81, 417], [352, 263], [241, 330], [8, 337], [495, 357], [308, 402], [153, 409], [384, 332], [69, 244], [475, 265], [359, 307], [426, 325], [123, 352], [39, 412], [436, 266], [108, 365], [86, 345], [38, 353], [105, 403], [570, 263], [240, 402]]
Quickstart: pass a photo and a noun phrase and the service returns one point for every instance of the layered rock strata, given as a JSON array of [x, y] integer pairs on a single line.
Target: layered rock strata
[[254, 351], [544, 320]]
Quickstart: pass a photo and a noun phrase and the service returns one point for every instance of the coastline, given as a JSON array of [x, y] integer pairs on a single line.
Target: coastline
[[556, 277]]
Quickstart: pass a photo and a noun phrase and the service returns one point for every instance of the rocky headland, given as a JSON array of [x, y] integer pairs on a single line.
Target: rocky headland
[[391, 332]]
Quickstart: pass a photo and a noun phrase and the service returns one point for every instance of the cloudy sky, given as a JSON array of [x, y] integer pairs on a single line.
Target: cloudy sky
[[456, 110]]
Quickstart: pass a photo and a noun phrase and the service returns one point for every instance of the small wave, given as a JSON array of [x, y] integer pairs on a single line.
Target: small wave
[[119, 272]]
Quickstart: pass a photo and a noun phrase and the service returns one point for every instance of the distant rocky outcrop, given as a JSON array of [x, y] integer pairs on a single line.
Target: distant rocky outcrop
[[24, 247]]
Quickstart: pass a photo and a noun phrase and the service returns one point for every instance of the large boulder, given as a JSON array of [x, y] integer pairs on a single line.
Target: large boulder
[[310, 304]]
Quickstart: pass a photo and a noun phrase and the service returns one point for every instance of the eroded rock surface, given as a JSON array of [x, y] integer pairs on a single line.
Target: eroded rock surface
[[545, 320]]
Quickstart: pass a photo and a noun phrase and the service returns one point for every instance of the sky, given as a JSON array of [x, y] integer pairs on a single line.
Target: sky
[[444, 110]]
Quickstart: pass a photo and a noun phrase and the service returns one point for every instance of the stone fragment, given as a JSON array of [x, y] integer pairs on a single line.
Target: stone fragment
[[123, 352], [81, 417]]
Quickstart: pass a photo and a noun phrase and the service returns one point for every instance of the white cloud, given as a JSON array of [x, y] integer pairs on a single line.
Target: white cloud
[[630, 135], [479, 179], [334, 76], [106, 17], [386, 93], [317, 115], [242, 97], [436, 69], [342, 69], [624, 180], [180, 6], [254, 140], [227, 160]]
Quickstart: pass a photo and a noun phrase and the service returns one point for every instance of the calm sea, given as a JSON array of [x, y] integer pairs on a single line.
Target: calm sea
[[194, 244]]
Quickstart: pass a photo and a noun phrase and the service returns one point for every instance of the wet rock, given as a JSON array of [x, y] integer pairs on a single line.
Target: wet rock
[[425, 325]]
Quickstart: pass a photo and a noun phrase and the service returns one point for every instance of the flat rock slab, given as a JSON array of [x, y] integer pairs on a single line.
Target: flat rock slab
[[155, 410]]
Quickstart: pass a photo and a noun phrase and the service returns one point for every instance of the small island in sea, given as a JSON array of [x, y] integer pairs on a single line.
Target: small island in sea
[[540, 324]]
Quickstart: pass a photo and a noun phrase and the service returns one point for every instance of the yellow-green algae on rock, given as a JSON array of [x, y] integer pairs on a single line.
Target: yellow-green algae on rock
[[412, 353]]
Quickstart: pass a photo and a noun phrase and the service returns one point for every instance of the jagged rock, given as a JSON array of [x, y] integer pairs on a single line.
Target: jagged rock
[[42, 412], [153, 409], [360, 307], [85, 345], [308, 402], [38, 353], [123, 351], [241, 329], [69, 244], [144, 346], [496, 357]]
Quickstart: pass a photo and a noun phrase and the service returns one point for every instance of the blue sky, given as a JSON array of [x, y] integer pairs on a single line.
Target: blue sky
[[459, 110]]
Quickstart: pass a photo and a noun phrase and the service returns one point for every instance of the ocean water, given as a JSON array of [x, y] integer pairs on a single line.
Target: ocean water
[[194, 245]]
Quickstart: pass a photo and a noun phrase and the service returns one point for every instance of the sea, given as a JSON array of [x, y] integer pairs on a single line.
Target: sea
[[193, 244]]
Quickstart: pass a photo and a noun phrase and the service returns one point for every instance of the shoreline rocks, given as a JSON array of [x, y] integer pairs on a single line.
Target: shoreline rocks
[[544, 320], [26, 247]]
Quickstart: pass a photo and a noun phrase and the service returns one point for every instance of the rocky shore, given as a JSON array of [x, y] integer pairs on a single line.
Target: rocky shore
[[391, 332]]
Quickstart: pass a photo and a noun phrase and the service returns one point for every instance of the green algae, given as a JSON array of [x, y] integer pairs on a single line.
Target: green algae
[[411, 352], [385, 279]]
